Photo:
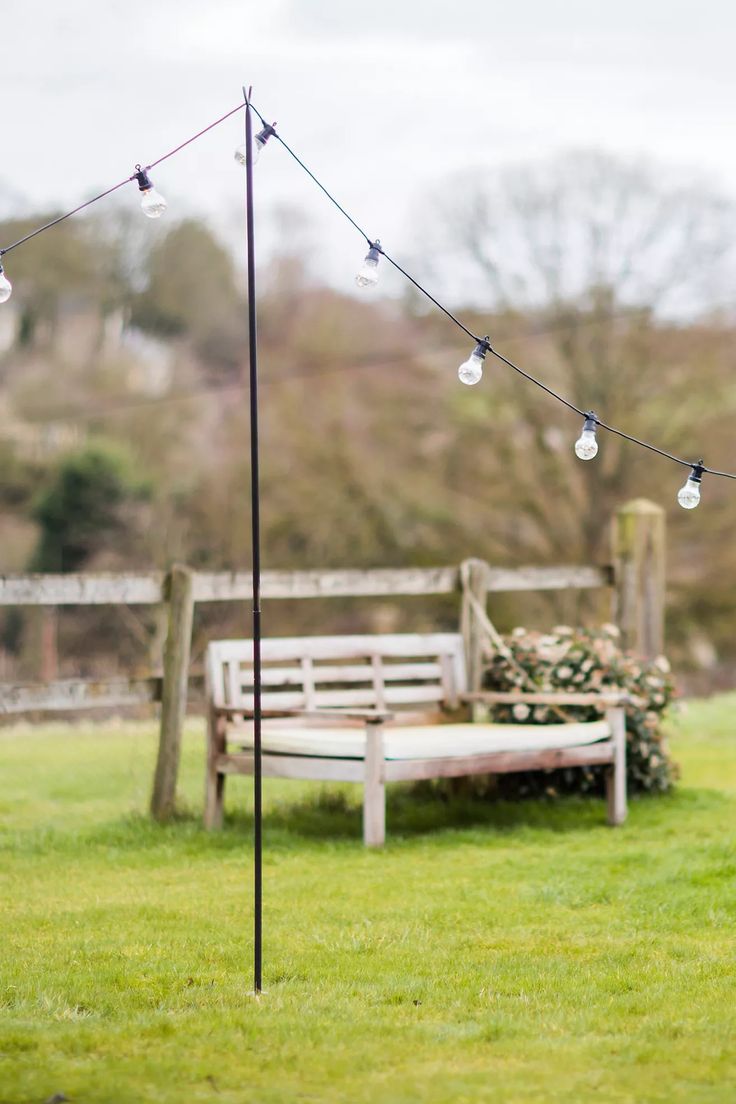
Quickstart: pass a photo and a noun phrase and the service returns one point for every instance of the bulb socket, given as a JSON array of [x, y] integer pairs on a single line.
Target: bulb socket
[[144, 181], [374, 251], [482, 347], [697, 471], [263, 135], [591, 422]]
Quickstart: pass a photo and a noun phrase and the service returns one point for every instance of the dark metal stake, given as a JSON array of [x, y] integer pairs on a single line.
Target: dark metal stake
[[256, 546]]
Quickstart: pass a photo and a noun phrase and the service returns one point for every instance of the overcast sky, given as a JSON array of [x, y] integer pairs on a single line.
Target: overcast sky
[[382, 99]]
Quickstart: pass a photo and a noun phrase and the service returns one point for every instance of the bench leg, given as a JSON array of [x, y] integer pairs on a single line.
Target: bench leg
[[616, 777], [214, 796], [214, 800], [374, 789]]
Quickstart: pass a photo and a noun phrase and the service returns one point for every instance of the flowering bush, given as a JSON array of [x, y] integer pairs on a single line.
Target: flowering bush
[[584, 660]]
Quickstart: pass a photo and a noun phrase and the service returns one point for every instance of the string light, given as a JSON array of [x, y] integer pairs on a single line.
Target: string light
[[586, 446], [153, 203], [689, 495], [6, 288], [471, 370], [483, 341], [367, 275], [259, 144]]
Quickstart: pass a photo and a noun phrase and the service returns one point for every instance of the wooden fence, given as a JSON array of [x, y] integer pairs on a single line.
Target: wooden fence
[[635, 579]]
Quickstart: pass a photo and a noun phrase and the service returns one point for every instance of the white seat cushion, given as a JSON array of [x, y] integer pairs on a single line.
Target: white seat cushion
[[424, 742]]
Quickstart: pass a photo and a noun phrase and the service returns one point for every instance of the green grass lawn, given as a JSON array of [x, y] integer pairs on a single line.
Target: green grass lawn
[[490, 953]]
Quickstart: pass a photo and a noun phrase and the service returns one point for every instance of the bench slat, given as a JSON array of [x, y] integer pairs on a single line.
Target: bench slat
[[354, 672], [295, 766], [407, 770], [498, 762], [338, 647], [394, 695]]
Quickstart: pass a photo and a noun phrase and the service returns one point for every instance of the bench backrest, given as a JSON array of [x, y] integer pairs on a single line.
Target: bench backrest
[[403, 670]]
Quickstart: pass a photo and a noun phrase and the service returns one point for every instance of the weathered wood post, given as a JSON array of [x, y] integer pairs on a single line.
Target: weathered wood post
[[474, 581], [639, 549], [179, 589], [49, 643]]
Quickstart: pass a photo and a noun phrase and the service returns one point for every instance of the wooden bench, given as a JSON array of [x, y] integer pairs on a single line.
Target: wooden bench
[[385, 708]]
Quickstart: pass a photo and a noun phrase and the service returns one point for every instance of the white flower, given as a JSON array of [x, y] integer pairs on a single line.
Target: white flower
[[520, 711], [552, 653], [564, 673], [663, 664]]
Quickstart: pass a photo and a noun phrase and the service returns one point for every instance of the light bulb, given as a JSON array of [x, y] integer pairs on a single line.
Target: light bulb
[[259, 144], [689, 495], [6, 288], [153, 203], [471, 370], [586, 446], [368, 274]]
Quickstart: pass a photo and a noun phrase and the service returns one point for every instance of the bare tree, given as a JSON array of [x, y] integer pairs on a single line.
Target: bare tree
[[591, 264], [559, 231]]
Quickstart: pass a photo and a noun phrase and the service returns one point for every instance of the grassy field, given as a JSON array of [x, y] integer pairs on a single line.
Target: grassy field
[[490, 953]]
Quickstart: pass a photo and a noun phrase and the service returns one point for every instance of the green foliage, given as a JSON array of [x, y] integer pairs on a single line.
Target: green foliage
[[74, 263], [492, 952], [190, 286], [18, 478], [586, 660], [82, 506]]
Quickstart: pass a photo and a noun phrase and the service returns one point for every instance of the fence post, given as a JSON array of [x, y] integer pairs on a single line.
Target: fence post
[[639, 549], [174, 695], [49, 643], [474, 580]]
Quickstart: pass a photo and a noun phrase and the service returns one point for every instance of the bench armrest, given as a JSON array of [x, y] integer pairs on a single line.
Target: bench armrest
[[371, 716], [243, 711], [608, 698]]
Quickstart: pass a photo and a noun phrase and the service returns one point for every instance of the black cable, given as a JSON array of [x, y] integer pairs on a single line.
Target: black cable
[[122, 183], [309, 172], [464, 328], [424, 291], [194, 137], [56, 221], [533, 379], [652, 448]]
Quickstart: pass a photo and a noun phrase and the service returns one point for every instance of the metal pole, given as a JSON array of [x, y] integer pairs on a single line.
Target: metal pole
[[256, 547]]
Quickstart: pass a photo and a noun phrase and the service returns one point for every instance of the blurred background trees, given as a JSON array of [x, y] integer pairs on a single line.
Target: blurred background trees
[[125, 434]]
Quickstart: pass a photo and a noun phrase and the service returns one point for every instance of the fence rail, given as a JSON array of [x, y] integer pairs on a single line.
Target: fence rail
[[67, 694], [151, 588]]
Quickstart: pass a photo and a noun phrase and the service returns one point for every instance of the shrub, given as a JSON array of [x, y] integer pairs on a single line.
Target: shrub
[[82, 506], [584, 660]]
